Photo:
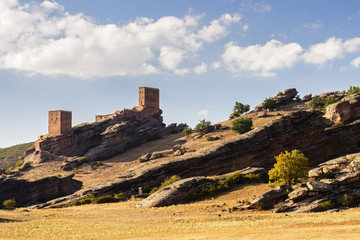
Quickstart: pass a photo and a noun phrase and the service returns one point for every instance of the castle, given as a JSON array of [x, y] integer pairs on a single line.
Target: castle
[[61, 121]]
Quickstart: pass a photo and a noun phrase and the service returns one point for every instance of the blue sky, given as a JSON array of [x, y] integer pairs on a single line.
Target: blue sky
[[91, 56]]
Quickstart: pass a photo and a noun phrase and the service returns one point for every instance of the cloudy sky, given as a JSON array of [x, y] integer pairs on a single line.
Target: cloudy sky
[[91, 56]]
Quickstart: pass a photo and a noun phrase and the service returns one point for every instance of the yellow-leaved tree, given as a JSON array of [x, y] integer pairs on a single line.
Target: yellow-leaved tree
[[290, 168]]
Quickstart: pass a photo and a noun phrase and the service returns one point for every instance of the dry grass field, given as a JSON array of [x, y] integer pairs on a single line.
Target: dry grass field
[[202, 220]]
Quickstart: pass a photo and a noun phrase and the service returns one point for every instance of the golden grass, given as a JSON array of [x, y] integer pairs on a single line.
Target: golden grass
[[201, 220]]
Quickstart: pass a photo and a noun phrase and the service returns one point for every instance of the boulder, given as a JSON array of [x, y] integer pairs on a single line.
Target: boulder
[[318, 186], [306, 98], [175, 193], [347, 110], [262, 114], [287, 96], [268, 199], [298, 193]]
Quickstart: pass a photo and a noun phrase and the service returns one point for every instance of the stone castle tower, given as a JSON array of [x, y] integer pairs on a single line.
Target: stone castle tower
[[59, 121], [148, 97]]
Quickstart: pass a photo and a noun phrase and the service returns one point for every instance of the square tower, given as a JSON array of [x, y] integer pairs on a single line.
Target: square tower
[[148, 97], [59, 121]]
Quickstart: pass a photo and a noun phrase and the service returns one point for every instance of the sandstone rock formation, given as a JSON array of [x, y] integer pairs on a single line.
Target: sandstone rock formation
[[303, 130], [347, 110], [287, 96], [103, 139], [334, 184], [31, 192]]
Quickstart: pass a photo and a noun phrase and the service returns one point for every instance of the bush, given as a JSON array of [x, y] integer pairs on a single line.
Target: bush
[[187, 131], [269, 103], [9, 204], [209, 138], [239, 109], [92, 199], [321, 103], [290, 168], [202, 126], [353, 90], [19, 163], [82, 160], [326, 205], [166, 183], [242, 125], [347, 200], [280, 94], [96, 164], [336, 125]]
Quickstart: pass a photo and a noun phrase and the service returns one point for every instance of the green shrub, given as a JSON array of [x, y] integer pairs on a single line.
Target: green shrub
[[321, 103], [280, 94], [9, 204], [347, 200], [290, 168], [242, 125], [82, 160], [353, 90], [269, 103], [19, 163], [326, 205], [9, 170], [96, 164], [239, 109], [166, 183], [187, 131], [209, 138], [202, 126], [92, 199], [336, 125]]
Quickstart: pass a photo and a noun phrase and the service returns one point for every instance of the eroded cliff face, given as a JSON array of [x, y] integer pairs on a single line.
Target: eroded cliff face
[[31, 192], [102, 139], [347, 110]]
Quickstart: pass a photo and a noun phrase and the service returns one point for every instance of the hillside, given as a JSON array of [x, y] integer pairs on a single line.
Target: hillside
[[9, 156]]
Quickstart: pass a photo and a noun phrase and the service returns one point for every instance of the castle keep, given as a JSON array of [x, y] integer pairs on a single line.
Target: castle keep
[[148, 97], [59, 121]]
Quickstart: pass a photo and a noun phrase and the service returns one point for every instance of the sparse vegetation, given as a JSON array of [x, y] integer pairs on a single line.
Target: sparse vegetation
[[223, 185], [166, 183], [9, 204], [347, 200], [187, 131], [202, 126], [336, 125], [9, 156], [326, 205], [82, 160], [96, 164], [321, 103], [269, 103], [209, 138], [242, 125], [328, 175], [92, 199], [19, 163], [239, 109], [280, 93], [290, 168], [353, 90]]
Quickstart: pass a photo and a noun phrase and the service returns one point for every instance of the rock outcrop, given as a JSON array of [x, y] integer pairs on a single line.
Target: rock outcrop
[[334, 184], [347, 110], [285, 97], [31, 192], [102, 139], [303, 130]]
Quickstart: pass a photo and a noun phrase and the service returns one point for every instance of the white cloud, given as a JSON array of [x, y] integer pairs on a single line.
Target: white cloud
[[315, 25], [216, 65], [261, 7], [322, 52], [356, 62], [217, 28], [42, 38], [203, 113], [182, 71], [170, 57], [245, 27], [202, 68], [261, 60], [352, 45]]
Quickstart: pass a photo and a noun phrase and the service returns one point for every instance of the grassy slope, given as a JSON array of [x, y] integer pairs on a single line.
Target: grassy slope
[[9, 156]]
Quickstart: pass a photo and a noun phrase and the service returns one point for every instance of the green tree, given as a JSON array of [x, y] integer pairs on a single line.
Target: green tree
[[202, 126], [269, 103], [290, 168], [187, 131], [242, 125], [239, 109]]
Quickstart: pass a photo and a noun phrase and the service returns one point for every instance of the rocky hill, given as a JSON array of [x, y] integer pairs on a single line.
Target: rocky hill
[[288, 124], [9, 156]]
